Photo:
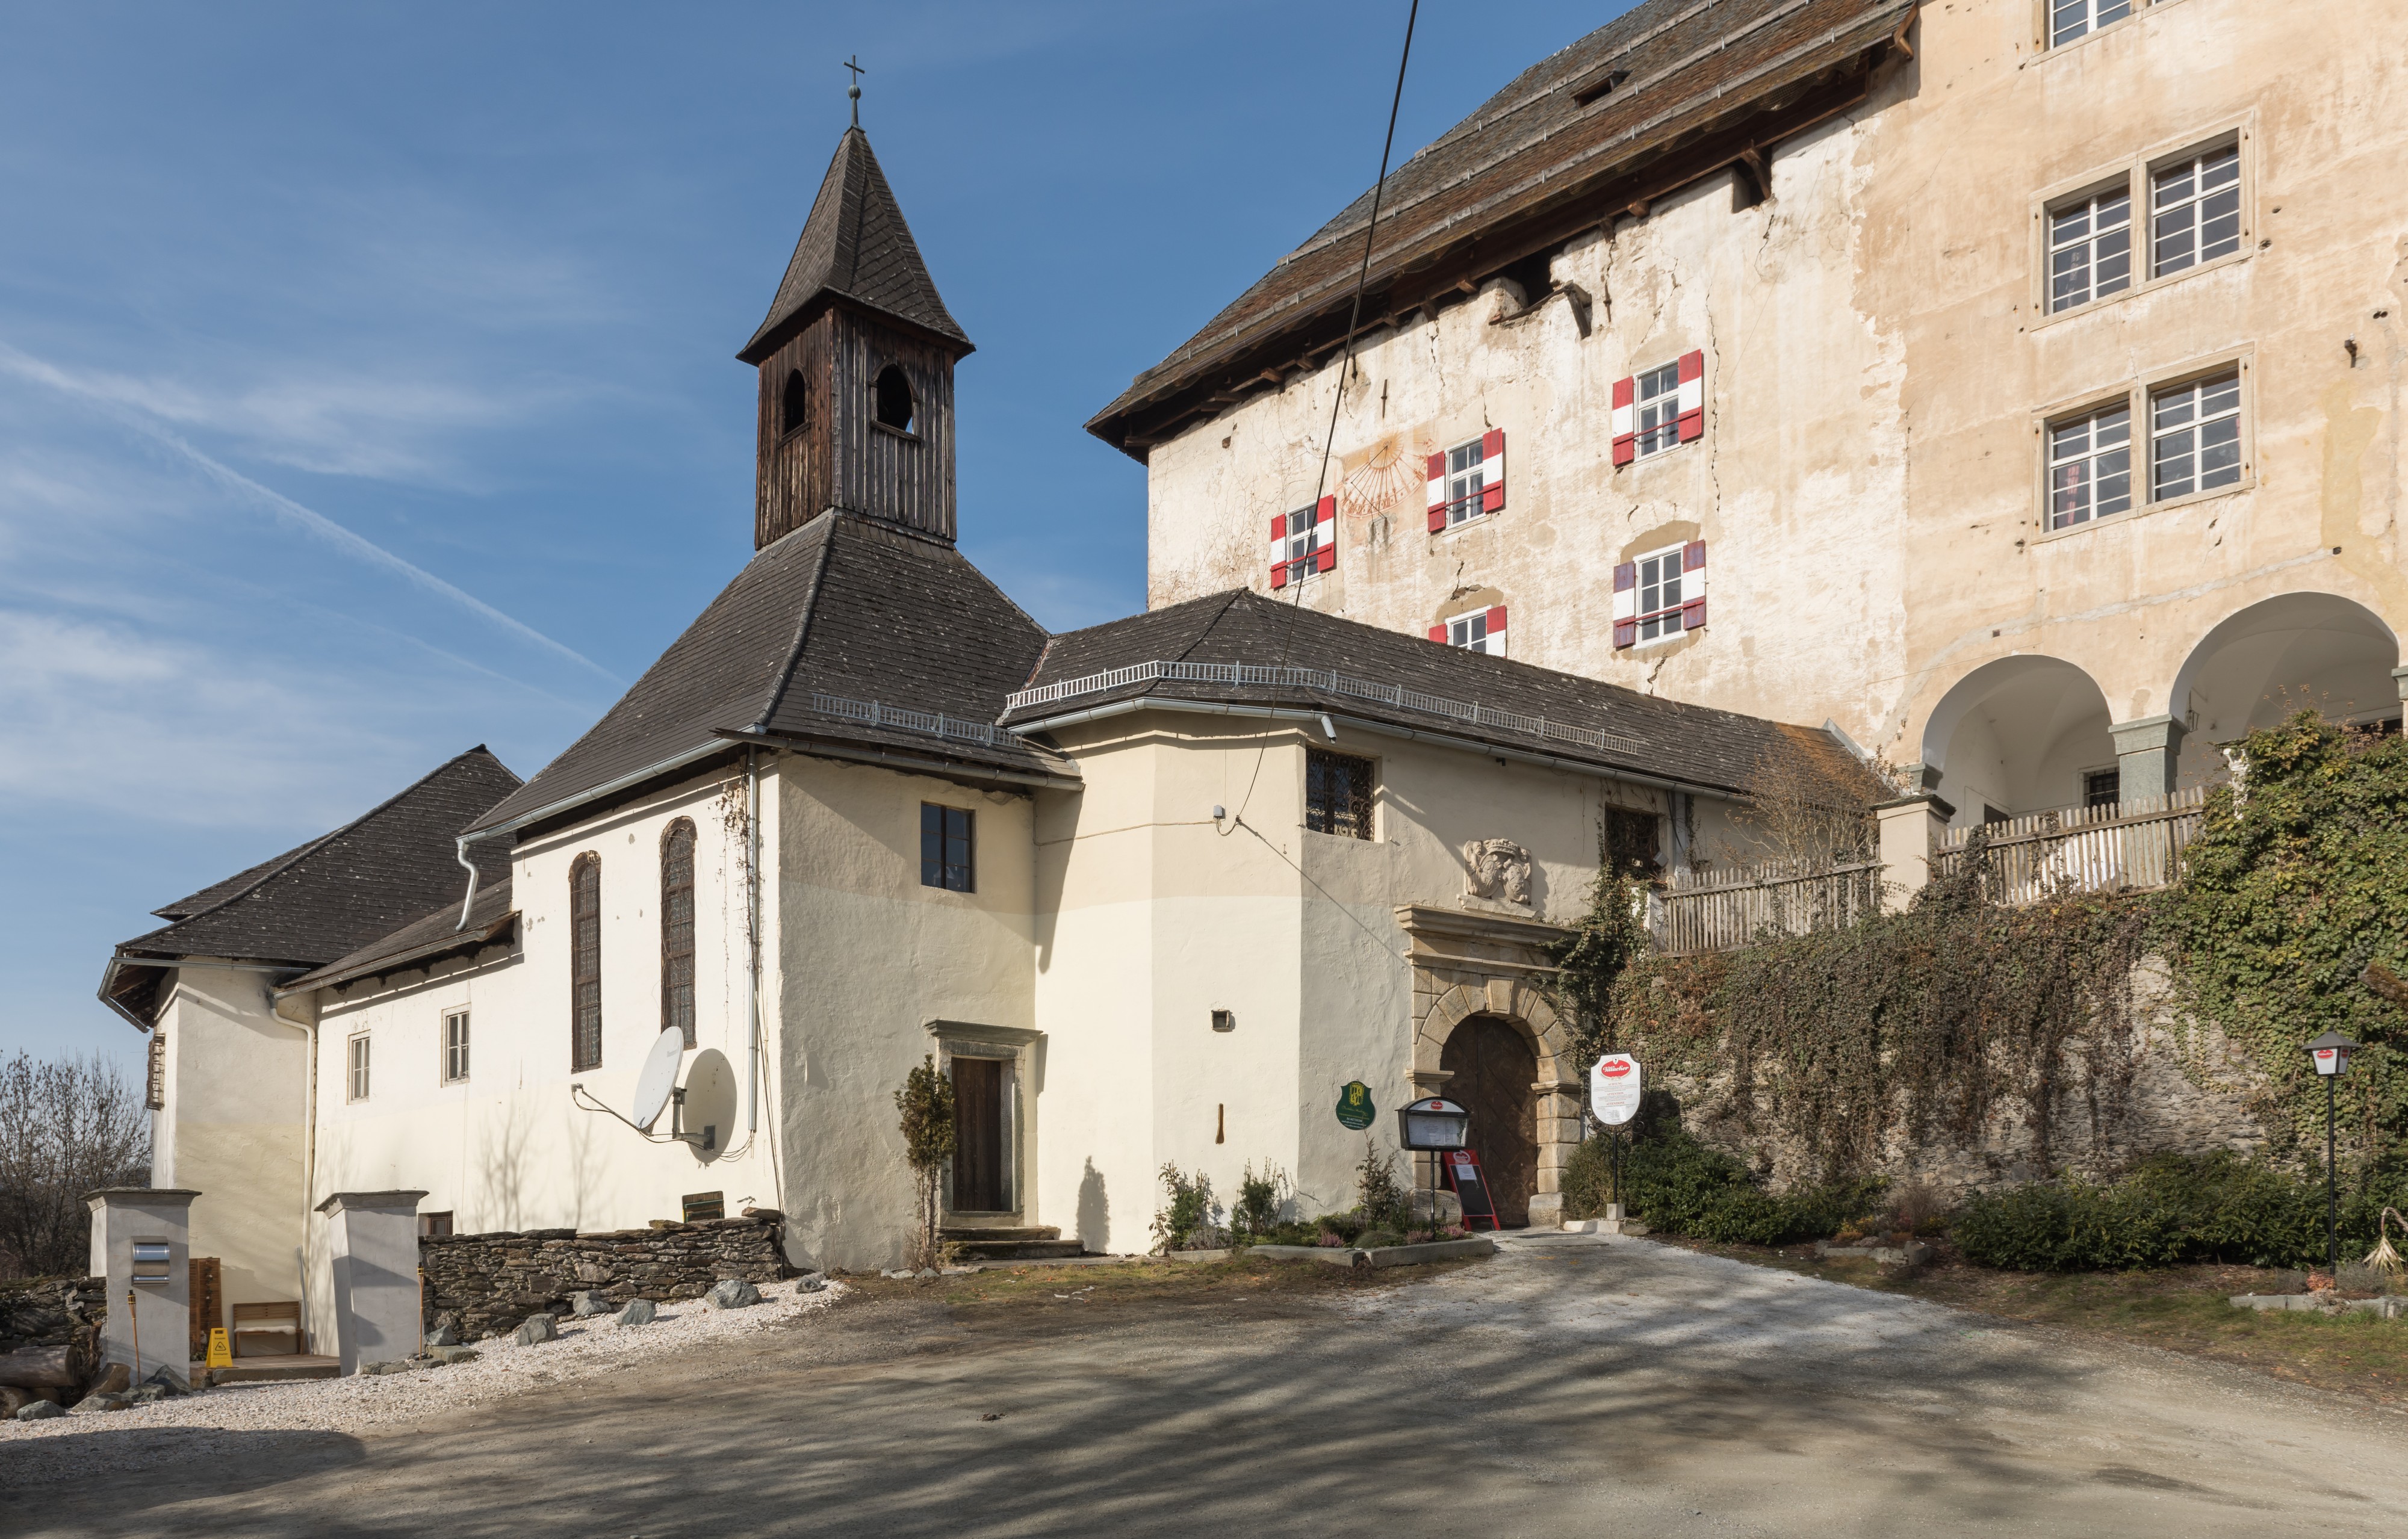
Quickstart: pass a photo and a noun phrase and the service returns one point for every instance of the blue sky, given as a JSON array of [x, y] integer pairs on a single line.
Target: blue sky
[[367, 375]]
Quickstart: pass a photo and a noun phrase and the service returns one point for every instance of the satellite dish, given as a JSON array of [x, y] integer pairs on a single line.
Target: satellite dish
[[658, 1076]]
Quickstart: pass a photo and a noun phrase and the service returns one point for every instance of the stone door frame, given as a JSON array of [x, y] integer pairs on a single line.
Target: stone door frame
[[1466, 964]]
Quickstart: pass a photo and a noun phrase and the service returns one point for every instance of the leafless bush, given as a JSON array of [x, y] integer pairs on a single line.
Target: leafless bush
[[1811, 803], [68, 1126]]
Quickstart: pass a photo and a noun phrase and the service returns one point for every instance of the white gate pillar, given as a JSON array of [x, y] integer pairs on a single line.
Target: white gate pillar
[[1910, 828], [372, 1238], [146, 1235]]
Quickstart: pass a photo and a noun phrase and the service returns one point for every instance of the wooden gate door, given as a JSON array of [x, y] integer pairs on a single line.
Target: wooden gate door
[[208, 1304], [978, 1125], [1493, 1069]]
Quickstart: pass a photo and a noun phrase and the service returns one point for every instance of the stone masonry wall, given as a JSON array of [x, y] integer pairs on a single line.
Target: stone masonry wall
[[491, 1282], [53, 1312]]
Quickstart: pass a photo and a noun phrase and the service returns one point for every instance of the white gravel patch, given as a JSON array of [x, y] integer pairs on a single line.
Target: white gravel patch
[[192, 1427]]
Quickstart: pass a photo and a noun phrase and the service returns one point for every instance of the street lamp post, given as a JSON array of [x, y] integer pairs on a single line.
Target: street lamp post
[[2329, 1053]]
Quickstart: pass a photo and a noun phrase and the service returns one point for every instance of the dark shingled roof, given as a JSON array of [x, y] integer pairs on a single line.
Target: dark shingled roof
[[845, 607], [1705, 748], [1534, 147], [856, 246], [333, 894], [491, 920]]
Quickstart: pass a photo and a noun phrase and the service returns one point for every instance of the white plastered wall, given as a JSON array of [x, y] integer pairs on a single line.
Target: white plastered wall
[[230, 1127]]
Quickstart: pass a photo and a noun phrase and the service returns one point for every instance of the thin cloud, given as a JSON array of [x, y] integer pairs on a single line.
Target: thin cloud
[[308, 520]]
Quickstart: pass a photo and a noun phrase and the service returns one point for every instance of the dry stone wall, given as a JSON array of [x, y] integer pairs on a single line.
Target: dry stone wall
[[53, 1312], [488, 1283]]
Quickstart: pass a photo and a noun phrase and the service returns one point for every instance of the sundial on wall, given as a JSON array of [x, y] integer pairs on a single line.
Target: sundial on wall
[[1378, 476]]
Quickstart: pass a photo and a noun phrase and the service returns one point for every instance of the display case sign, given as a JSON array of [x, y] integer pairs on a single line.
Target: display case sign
[[1613, 1088], [1355, 1108]]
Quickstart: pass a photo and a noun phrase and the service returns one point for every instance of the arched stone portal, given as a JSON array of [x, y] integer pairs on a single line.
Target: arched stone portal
[[2020, 734], [1493, 1073], [1455, 988]]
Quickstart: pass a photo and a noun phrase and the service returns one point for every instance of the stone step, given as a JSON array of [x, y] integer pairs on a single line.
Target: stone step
[[1016, 1251], [1022, 1236], [274, 1369]]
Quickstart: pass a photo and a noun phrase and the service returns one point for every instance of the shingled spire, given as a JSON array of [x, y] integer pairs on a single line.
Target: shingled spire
[[856, 246], [856, 361]]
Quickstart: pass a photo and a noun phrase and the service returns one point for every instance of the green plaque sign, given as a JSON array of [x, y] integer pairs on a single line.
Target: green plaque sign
[[1355, 1108]]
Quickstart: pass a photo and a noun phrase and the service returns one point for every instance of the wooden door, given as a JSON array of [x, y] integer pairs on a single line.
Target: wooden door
[[978, 1127], [207, 1304], [1493, 1069]]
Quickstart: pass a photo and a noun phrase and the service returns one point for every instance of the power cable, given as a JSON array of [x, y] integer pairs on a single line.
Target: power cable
[[1346, 367]]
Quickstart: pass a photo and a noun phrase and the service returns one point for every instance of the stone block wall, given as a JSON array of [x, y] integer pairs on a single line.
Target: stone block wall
[[491, 1282], [53, 1312]]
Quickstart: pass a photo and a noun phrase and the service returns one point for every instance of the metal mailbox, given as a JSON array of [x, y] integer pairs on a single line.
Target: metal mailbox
[[152, 1262]]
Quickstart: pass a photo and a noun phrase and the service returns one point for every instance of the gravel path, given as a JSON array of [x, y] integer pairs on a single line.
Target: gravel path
[[172, 1431]]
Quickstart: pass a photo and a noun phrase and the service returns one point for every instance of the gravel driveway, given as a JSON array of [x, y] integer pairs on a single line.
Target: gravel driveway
[[1572, 1386]]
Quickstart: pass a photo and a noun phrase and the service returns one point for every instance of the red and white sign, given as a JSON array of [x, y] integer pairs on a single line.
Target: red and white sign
[[1613, 1088]]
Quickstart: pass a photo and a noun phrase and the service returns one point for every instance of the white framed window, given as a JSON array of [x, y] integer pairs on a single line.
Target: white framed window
[[1304, 542], [2195, 437], [1658, 400], [1660, 594], [1466, 482], [2070, 19], [2089, 247], [2194, 210], [2090, 465], [358, 1082], [1481, 630], [455, 1046]]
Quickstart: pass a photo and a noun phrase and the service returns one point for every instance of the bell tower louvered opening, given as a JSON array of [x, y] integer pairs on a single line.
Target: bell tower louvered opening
[[856, 365]]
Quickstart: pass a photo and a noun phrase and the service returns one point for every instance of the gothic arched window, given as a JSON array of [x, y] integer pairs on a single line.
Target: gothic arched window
[[677, 929], [793, 407], [894, 398], [586, 962]]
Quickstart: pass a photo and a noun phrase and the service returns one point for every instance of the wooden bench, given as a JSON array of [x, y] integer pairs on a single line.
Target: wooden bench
[[279, 1322]]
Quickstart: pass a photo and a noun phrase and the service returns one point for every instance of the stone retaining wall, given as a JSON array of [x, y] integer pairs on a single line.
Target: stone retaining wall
[[488, 1283], [54, 1312]]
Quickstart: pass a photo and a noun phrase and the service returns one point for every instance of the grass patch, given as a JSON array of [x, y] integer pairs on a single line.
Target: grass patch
[[2173, 1309]]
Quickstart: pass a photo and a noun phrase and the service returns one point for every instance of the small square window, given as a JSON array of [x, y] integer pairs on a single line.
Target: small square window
[[2090, 466], [435, 1226], [2195, 437], [1477, 633], [359, 1068], [1658, 401], [2070, 19], [2089, 249], [2194, 211], [1337, 793], [1467, 479], [1225, 1021], [455, 1046], [697, 1207], [2102, 788], [945, 848]]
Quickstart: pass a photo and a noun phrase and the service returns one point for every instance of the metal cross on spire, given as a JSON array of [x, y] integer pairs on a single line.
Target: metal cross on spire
[[853, 91]]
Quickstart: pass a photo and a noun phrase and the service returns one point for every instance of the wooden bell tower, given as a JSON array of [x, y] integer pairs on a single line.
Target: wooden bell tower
[[856, 365]]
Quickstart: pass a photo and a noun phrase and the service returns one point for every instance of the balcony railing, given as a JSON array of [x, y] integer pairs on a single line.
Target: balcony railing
[[1725, 909], [2130, 846]]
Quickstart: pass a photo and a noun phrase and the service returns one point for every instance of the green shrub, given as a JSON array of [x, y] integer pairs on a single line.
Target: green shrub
[[1188, 1210], [1680, 1187], [1257, 1209], [1384, 1201], [2169, 1209]]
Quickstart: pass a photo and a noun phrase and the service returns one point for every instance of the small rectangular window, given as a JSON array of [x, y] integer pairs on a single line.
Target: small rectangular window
[[945, 852], [2195, 437], [2102, 788], [359, 1064], [1465, 482], [455, 1046], [1630, 844], [1225, 1021], [696, 1207], [1337, 793], [154, 1095], [2089, 249], [435, 1226], [1298, 544], [1658, 424], [1473, 634], [1659, 594], [2195, 210], [2070, 19], [2090, 466]]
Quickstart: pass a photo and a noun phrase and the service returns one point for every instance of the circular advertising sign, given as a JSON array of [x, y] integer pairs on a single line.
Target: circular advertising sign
[[1613, 1088]]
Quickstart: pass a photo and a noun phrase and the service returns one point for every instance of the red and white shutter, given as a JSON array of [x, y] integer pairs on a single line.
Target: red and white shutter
[[1496, 631], [1693, 396], [1693, 586], [1492, 471], [1279, 550], [1325, 534], [1438, 493], [1625, 421], [1626, 603], [1437, 634]]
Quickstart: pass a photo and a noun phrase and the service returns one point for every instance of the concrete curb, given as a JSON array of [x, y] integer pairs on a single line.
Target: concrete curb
[[1330, 1254], [2387, 1308], [1436, 1250]]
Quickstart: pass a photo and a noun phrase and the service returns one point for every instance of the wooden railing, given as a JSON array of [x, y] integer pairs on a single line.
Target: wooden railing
[[1721, 910], [2132, 846]]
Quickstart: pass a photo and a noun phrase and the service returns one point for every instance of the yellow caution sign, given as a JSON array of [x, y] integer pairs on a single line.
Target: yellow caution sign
[[220, 1356]]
